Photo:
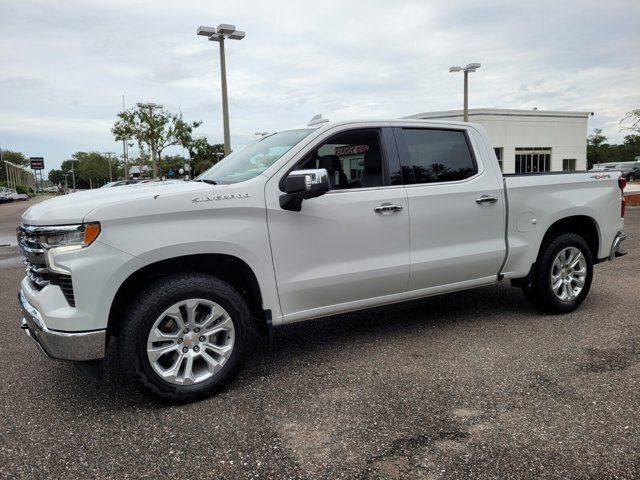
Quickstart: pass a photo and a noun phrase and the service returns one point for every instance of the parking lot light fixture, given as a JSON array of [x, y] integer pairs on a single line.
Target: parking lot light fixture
[[219, 34], [471, 67]]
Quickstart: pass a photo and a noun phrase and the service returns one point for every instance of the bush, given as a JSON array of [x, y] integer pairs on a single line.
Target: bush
[[22, 189]]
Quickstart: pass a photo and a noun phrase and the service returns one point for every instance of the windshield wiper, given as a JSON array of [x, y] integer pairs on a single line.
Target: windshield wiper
[[210, 182]]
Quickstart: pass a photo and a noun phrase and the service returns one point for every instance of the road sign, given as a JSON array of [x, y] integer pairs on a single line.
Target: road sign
[[37, 163], [170, 173]]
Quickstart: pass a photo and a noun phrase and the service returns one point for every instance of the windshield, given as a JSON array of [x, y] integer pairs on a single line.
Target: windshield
[[253, 159]]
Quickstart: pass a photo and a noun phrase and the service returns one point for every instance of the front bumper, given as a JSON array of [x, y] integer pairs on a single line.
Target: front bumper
[[77, 346], [616, 247]]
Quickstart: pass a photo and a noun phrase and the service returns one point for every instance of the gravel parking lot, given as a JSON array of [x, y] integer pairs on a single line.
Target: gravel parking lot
[[468, 385]]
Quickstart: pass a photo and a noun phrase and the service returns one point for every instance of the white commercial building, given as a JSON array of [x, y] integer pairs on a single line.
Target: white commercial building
[[530, 140]]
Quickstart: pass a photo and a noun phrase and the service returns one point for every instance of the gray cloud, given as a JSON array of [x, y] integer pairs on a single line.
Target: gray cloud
[[66, 64]]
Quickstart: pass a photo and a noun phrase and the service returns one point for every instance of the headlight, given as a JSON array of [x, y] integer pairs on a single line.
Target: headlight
[[68, 235]]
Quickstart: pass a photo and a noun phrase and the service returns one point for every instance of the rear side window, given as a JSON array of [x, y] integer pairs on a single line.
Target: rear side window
[[437, 155]]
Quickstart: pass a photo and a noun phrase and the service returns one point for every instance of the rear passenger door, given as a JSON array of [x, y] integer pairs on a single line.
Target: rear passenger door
[[456, 209]]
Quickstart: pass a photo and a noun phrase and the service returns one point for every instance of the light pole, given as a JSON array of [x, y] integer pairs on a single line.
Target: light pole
[[471, 67], [219, 35], [109, 155], [150, 107]]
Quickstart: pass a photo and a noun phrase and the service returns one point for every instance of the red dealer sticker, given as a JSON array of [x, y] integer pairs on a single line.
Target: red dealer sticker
[[351, 150]]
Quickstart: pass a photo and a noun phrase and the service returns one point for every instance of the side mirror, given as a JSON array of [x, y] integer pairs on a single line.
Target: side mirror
[[304, 184]]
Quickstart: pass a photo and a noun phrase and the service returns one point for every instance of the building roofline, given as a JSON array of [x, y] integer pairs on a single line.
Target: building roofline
[[505, 112]]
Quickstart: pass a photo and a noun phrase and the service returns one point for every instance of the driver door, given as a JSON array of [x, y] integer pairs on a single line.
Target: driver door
[[340, 252]]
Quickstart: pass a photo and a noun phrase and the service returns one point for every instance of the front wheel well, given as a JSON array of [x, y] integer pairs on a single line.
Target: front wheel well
[[227, 268]]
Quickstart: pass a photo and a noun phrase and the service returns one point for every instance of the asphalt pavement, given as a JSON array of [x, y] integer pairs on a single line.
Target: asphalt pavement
[[474, 384]]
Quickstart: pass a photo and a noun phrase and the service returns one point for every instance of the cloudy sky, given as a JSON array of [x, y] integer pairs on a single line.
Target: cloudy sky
[[66, 64]]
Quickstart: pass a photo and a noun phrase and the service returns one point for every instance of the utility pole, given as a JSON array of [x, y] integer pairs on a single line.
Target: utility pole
[[109, 156], [224, 31], [150, 107], [73, 174], [125, 152]]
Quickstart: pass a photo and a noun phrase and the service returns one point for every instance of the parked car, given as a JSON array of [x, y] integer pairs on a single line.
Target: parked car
[[629, 170], [11, 195], [298, 225], [4, 197]]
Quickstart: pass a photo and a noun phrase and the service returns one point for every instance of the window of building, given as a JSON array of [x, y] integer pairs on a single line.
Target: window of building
[[498, 151], [353, 159], [437, 155], [569, 164], [533, 159]]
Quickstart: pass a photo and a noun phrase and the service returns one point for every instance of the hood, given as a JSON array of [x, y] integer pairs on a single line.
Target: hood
[[73, 208]]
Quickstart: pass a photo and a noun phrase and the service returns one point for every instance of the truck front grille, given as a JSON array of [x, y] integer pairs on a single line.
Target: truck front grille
[[36, 266]]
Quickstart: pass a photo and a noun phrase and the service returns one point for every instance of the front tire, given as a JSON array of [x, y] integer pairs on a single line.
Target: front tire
[[562, 275], [184, 337]]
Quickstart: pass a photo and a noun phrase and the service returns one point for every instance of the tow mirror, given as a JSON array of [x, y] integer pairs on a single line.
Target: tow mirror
[[304, 184]]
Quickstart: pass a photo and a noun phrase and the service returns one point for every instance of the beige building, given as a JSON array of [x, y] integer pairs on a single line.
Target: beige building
[[530, 140]]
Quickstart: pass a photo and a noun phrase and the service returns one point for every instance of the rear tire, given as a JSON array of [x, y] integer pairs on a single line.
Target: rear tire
[[562, 275], [200, 323]]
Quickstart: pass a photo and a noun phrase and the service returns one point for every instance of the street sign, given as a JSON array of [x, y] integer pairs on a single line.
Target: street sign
[[37, 163], [170, 173]]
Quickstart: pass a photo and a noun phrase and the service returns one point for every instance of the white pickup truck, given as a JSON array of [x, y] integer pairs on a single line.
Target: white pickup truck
[[301, 224]]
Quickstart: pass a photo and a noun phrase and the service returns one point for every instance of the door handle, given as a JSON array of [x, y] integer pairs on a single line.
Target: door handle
[[387, 208], [486, 199]]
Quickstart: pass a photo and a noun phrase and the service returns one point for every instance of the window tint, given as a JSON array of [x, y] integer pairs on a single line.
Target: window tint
[[353, 159], [438, 155]]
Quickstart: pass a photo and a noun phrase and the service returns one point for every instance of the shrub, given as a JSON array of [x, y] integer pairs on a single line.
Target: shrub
[[22, 189]]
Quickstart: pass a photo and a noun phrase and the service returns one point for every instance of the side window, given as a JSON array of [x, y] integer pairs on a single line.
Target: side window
[[353, 159], [437, 155]]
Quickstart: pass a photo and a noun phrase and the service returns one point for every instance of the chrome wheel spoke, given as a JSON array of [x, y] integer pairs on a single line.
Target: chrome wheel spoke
[[189, 377], [190, 306], [223, 351], [157, 352], [171, 373], [158, 335], [225, 325], [578, 281], [212, 363]]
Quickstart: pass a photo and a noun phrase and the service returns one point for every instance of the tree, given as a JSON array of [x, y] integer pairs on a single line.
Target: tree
[[631, 121], [596, 139], [204, 154], [598, 150], [155, 129], [56, 177]]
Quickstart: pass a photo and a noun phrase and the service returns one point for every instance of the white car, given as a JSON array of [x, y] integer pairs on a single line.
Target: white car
[[298, 225], [11, 196]]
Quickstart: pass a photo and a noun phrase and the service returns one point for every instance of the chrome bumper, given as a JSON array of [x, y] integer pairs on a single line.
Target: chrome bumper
[[616, 250], [76, 347]]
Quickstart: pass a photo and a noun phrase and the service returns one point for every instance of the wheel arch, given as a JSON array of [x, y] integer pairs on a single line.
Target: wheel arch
[[231, 269], [582, 225]]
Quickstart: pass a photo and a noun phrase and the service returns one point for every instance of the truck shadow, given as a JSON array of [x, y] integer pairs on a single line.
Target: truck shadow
[[300, 343]]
